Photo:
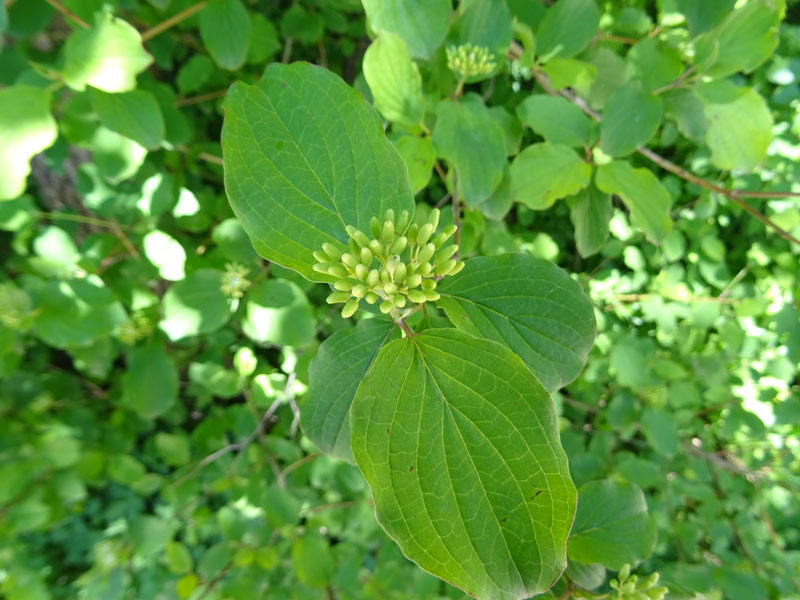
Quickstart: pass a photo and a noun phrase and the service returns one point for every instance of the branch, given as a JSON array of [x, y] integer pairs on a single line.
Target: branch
[[172, 21], [734, 196], [66, 12]]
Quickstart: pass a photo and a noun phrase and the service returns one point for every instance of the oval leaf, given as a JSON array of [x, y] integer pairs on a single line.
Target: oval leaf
[[460, 445], [630, 118], [225, 29], [567, 28], [304, 156], [528, 304], [195, 305], [543, 173], [422, 24]]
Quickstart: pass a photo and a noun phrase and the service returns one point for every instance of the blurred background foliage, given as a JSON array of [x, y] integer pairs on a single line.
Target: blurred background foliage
[[151, 365]]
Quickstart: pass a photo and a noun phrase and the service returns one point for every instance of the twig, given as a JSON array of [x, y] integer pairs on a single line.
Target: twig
[[287, 50], [607, 37], [66, 12], [200, 98], [217, 578], [440, 171], [675, 84], [172, 21], [299, 463], [217, 160], [323, 55], [125, 241], [331, 505]]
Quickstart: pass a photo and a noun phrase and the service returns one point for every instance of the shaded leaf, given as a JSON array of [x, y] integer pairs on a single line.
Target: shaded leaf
[[630, 118], [195, 305], [556, 119], [278, 312], [422, 24], [590, 211], [225, 29], [150, 382], [135, 115], [567, 28], [394, 80], [543, 173]]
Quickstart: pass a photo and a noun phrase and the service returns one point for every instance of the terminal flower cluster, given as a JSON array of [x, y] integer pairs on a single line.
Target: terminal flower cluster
[[399, 265], [469, 61]]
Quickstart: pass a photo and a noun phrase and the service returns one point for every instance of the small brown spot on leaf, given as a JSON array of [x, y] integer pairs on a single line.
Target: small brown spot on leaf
[[283, 84], [388, 431], [536, 494], [411, 468]]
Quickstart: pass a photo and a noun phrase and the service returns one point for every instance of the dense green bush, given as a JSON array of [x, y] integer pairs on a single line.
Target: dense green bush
[[616, 285]]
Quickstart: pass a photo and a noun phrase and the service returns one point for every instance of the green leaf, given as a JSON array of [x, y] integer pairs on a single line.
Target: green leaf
[[590, 211], [485, 23], [179, 560], [307, 27], [174, 448], [644, 195], [135, 115], [702, 16], [740, 125], [512, 129], [460, 445], [630, 118], [76, 312], [150, 382], [528, 304], [394, 80], [334, 375], [688, 112], [278, 312], [423, 24], [543, 173], [567, 28], [117, 157], [225, 29], [469, 138], [165, 253], [26, 128], [659, 427], [305, 156], [744, 40], [612, 526], [655, 63], [312, 561], [418, 154], [195, 305], [108, 56], [556, 119]]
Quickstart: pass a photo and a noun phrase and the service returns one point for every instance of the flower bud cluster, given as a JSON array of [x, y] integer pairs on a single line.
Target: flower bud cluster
[[629, 587], [398, 265], [234, 280], [468, 60]]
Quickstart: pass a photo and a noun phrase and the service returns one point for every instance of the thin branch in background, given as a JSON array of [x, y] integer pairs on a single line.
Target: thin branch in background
[[440, 171], [287, 50], [323, 55], [200, 98], [217, 578], [456, 215], [66, 12], [172, 21], [299, 463], [111, 224]]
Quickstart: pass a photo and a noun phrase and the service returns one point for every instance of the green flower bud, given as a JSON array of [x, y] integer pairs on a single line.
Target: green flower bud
[[648, 582], [386, 306], [402, 222], [416, 296], [450, 230], [375, 227], [400, 301], [359, 290], [385, 277], [392, 263], [366, 256], [338, 271], [425, 268], [657, 593], [321, 256], [624, 573], [457, 268], [349, 260], [424, 234], [358, 236], [376, 248], [350, 308], [390, 288], [433, 219], [352, 247], [444, 254], [445, 267], [439, 239], [337, 297], [411, 234], [373, 278], [332, 251], [426, 253], [413, 281], [372, 297], [400, 273], [398, 245], [389, 217], [322, 267], [361, 272], [431, 295], [628, 587], [428, 284], [387, 235], [343, 285]]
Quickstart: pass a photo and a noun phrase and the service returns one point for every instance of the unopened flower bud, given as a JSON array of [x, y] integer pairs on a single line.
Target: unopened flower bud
[[350, 308], [389, 216], [343, 285], [433, 219], [425, 268], [428, 284], [439, 239], [321, 256], [400, 273], [322, 267], [387, 234], [416, 296], [413, 281], [398, 245], [376, 248], [411, 234], [337, 297], [372, 297], [390, 288], [648, 581], [392, 263], [353, 247], [399, 300], [445, 267], [386, 306], [338, 271], [349, 260], [657, 593], [457, 268], [450, 230], [332, 251], [402, 222], [431, 295], [359, 290], [426, 253], [366, 256], [445, 254], [373, 278], [358, 236], [385, 277], [375, 227], [424, 234], [361, 272]]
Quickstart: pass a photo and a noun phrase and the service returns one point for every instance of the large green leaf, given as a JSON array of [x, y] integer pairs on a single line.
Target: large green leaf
[[612, 526], [459, 443], [422, 24], [528, 304], [150, 382], [195, 305], [630, 118], [656, 63], [739, 125], [108, 56], [419, 156], [745, 39], [643, 194], [590, 211], [469, 138], [543, 173], [135, 115], [394, 80], [484, 23], [334, 375], [225, 29], [567, 28], [305, 155], [278, 312], [556, 119], [26, 128]]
